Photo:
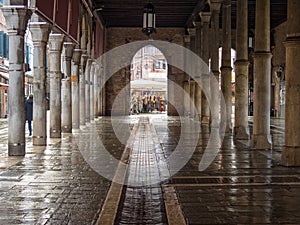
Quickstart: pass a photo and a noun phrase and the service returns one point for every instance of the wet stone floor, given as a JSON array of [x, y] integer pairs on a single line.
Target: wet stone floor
[[61, 184]]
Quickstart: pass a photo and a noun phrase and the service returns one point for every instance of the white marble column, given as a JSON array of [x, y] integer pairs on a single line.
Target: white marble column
[[262, 77], [96, 91], [291, 152], [55, 48], [226, 68], [39, 34], [215, 6], [66, 99], [205, 20], [92, 83], [87, 90], [82, 67], [241, 129], [16, 22], [75, 87]]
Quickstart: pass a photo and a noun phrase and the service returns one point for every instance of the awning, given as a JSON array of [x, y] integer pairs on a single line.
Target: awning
[[148, 85]]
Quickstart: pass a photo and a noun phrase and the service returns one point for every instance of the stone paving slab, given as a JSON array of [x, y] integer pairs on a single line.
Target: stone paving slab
[[54, 184]]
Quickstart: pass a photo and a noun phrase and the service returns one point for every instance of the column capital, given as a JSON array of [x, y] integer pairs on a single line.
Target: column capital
[[215, 5], [197, 24], [68, 50], [83, 60], [226, 3], [187, 38], [76, 56], [39, 32], [205, 17], [55, 42], [192, 32], [16, 19]]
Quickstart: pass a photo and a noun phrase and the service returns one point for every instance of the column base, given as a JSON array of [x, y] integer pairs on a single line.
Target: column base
[[39, 140], [291, 156], [55, 133], [262, 141], [17, 149], [241, 133], [66, 129]]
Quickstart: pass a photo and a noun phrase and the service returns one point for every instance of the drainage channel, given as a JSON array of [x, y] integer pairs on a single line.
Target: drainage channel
[[142, 198]]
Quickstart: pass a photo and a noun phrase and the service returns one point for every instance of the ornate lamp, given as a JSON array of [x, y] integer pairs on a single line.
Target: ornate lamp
[[149, 19]]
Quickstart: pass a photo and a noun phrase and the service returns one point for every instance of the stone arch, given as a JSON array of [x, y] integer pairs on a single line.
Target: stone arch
[[121, 36]]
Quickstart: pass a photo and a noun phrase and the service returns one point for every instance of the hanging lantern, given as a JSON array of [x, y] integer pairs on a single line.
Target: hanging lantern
[[149, 19]]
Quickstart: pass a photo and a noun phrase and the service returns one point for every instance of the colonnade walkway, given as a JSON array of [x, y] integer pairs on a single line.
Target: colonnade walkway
[[64, 182]]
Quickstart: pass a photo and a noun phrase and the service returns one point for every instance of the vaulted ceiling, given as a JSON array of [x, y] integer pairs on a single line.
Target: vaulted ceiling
[[173, 13]]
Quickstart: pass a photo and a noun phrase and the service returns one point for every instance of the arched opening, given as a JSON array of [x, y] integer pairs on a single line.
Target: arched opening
[[148, 81]]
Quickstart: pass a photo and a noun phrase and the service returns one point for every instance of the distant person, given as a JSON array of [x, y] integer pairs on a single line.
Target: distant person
[[29, 112]]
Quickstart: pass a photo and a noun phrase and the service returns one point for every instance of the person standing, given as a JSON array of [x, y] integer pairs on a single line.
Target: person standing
[[29, 112]]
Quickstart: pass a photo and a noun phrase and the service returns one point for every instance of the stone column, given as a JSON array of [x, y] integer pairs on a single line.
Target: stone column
[[87, 90], [66, 100], [186, 86], [198, 91], [226, 68], [92, 99], [186, 98], [192, 98], [291, 152], [215, 103], [205, 20], [192, 34], [75, 88], [262, 77], [100, 97], [82, 87], [198, 96], [16, 21], [241, 130], [96, 90], [40, 34], [55, 48]]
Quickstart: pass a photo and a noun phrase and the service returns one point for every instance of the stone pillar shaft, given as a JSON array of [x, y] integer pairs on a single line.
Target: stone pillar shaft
[[87, 90], [16, 21], [75, 88], [262, 77], [186, 98], [198, 91], [241, 130], [40, 34], [205, 20], [96, 91], [82, 88], [55, 48], [92, 99], [192, 98], [100, 96], [226, 68], [66, 115], [291, 152], [215, 103]]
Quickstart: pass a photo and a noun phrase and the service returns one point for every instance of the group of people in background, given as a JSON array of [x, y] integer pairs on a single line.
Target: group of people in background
[[147, 104]]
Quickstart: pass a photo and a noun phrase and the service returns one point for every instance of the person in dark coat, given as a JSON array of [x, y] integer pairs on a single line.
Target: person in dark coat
[[29, 112]]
